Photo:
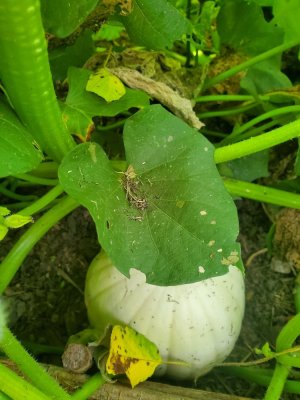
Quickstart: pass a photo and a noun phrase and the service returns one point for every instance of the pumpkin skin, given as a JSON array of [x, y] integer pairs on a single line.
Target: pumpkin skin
[[197, 323]]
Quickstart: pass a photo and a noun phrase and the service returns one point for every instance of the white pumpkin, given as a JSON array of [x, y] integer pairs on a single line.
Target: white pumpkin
[[196, 323]]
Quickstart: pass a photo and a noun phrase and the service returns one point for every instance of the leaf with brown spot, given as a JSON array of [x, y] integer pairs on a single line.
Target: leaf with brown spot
[[132, 354]]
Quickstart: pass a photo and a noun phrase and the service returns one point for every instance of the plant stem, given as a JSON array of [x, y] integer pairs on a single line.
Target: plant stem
[[232, 138], [228, 112], [26, 75], [229, 97], [43, 201], [36, 180], [46, 170], [267, 115], [23, 246], [111, 126], [277, 383], [261, 376], [262, 193], [12, 195], [37, 348], [16, 352], [17, 388], [285, 340], [249, 63], [258, 143], [88, 388]]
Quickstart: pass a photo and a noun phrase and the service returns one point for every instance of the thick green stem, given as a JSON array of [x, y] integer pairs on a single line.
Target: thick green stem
[[258, 143], [17, 388], [12, 195], [285, 340], [43, 201], [267, 115], [261, 376], [36, 180], [277, 383], [230, 97], [38, 376], [249, 63], [23, 246], [228, 112], [262, 193], [46, 170], [26, 75]]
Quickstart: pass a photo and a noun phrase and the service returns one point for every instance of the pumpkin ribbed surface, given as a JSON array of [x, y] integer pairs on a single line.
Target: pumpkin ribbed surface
[[196, 323]]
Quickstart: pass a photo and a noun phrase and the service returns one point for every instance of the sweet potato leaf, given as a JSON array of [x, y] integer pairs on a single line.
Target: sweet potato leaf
[[155, 24], [76, 55], [265, 77], [81, 106], [62, 17], [287, 16], [169, 215], [242, 26], [19, 152], [247, 168]]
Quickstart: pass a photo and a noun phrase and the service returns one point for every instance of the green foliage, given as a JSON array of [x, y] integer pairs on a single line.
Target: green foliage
[[111, 30], [11, 221], [81, 106], [18, 151], [2, 318], [265, 77], [241, 25], [155, 25], [247, 168], [76, 55], [169, 215], [205, 28], [62, 17], [106, 85], [287, 16]]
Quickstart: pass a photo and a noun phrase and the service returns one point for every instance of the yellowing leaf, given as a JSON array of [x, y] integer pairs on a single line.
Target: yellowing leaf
[[4, 211], [11, 221], [17, 220], [131, 353], [3, 231], [106, 85]]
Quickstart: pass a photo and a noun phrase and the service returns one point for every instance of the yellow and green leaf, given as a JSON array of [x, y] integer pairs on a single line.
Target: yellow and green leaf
[[132, 354], [106, 85]]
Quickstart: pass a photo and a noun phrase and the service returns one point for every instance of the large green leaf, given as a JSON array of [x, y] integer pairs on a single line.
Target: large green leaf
[[19, 152], [242, 26], [81, 106], [264, 77], [155, 24], [287, 16], [247, 168], [76, 55], [62, 17], [169, 215]]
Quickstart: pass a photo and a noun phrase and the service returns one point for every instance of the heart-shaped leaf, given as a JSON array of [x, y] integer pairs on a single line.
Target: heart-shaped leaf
[[62, 17], [81, 106], [155, 24], [169, 215], [19, 152]]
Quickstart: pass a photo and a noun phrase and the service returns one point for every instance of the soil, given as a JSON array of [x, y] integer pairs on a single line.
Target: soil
[[45, 299]]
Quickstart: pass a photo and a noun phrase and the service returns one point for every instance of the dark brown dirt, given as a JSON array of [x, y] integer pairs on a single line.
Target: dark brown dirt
[[46, 297]]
